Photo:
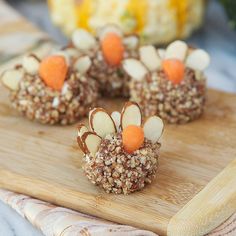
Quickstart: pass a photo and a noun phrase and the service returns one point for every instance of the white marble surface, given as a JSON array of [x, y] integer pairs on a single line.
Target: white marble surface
[[215, 37]]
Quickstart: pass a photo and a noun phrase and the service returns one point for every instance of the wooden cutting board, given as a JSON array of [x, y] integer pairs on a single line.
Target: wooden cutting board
[[45, 162], [195, 189]]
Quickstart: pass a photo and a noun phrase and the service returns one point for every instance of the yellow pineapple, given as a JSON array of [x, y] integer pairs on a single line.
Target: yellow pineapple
[[156, 21]]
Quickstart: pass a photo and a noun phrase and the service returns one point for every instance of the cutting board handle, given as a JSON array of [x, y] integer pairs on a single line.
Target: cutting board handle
[[209, 208]]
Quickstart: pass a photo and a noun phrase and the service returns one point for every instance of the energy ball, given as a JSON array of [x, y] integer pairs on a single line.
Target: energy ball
[[120, 153], [50, 91], [169, 83], [107, 50]]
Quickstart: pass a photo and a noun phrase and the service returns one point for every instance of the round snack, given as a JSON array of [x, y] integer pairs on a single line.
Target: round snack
[[107, 51], [169, 83], [120, 153], [51, 91]]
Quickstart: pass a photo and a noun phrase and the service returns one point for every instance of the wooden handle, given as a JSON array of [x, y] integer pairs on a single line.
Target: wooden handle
[[209, 208]]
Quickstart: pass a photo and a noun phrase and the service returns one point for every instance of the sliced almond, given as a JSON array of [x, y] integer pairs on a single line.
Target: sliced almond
[[11, 78], [83, 40], [153, 128], [31, 64], [90, 112], [131, 115], [109, 28], [176, 50], [91, 142], [131, 42], [161, 52], [101, 122], [82, 129], [115, 115], [135, 68], [149, 57], [83, 64], [81, 144], [198, 60]]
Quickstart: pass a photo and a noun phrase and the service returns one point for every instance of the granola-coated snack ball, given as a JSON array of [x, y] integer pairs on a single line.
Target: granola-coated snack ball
[[169, 83], [107, 51], [120, 153], [50, 91]]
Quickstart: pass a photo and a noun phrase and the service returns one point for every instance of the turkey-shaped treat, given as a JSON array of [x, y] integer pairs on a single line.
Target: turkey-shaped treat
[[120, 152], [107, 50], [51, 90], [169, 83]]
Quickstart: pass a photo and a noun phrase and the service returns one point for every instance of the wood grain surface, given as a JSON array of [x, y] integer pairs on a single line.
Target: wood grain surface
[[215, 203], [45, 162]]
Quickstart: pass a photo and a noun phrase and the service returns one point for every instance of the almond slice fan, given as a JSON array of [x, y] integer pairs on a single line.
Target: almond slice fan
[[81, 130], [91, 142], [131, 115], [101, 122], [153, 128]]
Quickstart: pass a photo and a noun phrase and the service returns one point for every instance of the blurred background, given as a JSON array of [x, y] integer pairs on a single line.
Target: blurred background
[[164, 22], [206, 24]]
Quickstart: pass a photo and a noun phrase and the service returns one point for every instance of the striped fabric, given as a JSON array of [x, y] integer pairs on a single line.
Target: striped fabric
[[54, 221]]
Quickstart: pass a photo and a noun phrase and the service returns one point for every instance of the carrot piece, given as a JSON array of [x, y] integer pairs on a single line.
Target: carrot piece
[[53, 70], [174, 70], [133, 138], [112, 49]]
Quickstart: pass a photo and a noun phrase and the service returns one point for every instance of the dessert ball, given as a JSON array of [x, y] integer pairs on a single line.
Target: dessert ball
[[120, 153], [107, 51], [50, 91], [169, 83]]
